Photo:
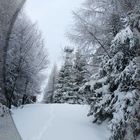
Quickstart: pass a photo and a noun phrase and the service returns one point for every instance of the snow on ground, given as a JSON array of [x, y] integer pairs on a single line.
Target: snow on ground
[[57, 122]]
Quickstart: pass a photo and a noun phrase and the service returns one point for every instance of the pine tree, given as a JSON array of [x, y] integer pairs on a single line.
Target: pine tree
[[65, 83], [51, 86], [81, 75], [117, 88]]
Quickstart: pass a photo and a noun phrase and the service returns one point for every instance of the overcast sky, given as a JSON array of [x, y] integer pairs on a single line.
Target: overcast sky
[[54, 18]]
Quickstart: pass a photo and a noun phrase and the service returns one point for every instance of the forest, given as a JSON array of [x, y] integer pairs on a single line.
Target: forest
[[22, 55], [100, 68]]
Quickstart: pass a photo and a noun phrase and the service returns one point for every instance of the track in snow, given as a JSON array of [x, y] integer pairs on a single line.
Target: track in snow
[[57, 122]]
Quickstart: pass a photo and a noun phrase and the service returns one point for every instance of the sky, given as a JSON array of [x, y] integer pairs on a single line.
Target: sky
[[54, 19]]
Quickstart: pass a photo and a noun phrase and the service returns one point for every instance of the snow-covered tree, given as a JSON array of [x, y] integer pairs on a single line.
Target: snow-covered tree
[[116, 92], [65, 83], [81, 74], [51, 86], [80, 70], [26, 58], [9, 13], [96, 24], [94, 29]]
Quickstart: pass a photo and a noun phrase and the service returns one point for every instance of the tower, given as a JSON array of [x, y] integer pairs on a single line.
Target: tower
[[68, 55]]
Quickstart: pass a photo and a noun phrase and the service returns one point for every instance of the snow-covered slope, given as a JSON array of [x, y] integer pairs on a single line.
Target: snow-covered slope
[[57, 122]]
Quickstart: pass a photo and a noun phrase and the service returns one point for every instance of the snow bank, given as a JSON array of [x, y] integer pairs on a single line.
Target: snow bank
[[57, 122]]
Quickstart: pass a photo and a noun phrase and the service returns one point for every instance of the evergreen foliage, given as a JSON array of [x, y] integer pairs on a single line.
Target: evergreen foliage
[[116, 92]]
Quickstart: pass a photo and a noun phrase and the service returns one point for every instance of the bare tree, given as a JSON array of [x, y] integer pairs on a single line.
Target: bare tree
[[10, 11], [27, 57], [96, 23]]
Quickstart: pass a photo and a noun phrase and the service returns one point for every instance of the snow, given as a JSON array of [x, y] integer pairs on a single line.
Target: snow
[[103, 89], [57, 122], [124, 35]]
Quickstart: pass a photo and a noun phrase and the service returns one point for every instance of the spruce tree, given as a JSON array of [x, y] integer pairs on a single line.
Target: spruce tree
[[116, 91], [81, 75], [51, 86], [65, 83]]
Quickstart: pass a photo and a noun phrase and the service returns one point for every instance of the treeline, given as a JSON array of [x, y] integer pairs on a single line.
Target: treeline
[[63, 85], [107, 32], [22, 53]]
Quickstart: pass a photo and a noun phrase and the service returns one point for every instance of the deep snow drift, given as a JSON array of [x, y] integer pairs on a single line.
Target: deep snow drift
[[57, 122]]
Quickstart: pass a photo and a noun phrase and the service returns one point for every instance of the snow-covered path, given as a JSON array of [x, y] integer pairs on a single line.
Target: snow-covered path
[[57, 122]]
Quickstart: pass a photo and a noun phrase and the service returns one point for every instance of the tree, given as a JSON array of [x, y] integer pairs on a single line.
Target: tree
[[26, 58], [96, 24], [111, 27], [91, 32], [80, 70], [116, 90], [81, 74], [51, 86], [65, 83]]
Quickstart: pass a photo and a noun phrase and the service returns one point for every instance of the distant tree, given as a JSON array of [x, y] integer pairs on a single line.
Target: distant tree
[[65, 83], [51, 86]]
